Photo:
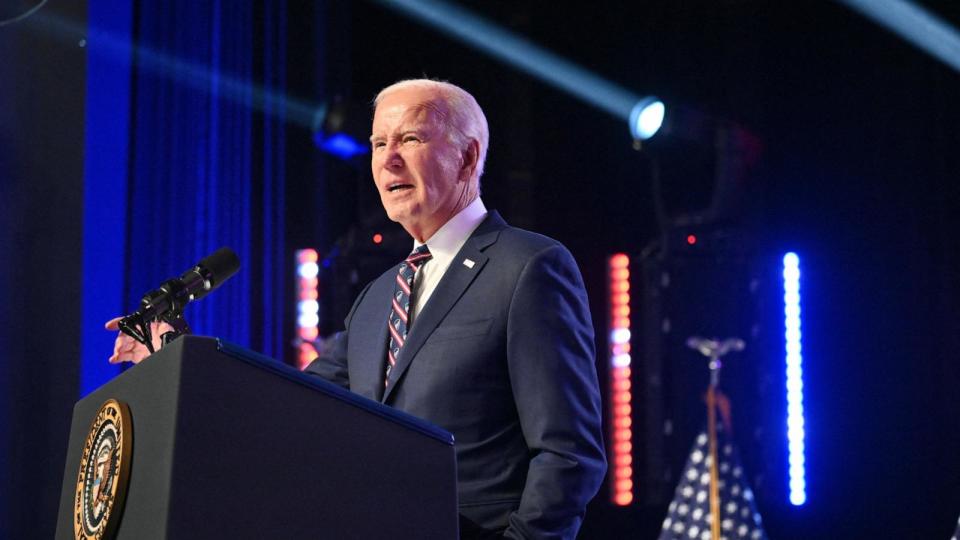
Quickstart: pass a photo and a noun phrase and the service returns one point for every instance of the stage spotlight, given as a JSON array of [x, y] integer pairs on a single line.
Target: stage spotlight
[[646, 118], [339, 144], [340, 129]]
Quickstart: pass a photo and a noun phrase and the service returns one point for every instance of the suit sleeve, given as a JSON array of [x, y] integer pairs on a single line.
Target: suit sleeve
[[551, 358], [332, 362]]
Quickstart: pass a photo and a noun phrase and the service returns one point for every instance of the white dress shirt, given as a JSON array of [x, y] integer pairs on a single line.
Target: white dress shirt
[[443, 246]]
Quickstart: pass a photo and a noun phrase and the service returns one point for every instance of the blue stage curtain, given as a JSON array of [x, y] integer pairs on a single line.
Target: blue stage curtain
[[275, 271], [203, 174], [206, 164], [107, 148]]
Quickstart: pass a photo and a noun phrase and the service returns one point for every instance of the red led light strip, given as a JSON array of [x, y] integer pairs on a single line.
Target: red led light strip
[[621, 396], [308, 307]]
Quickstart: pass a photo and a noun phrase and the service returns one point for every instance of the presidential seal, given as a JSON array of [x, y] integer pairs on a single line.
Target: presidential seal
[[104, 470]]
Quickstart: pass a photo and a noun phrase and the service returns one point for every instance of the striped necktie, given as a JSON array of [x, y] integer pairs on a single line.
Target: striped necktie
[[400, 310]]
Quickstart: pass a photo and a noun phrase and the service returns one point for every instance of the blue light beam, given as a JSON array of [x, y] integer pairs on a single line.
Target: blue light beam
[[521, 53], [923, 29], [114, 47]]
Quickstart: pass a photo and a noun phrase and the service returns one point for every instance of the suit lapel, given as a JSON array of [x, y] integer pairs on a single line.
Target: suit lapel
[[454, 283], [372, 344]]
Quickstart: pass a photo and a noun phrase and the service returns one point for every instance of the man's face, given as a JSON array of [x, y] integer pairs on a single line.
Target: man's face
[[418, 172]]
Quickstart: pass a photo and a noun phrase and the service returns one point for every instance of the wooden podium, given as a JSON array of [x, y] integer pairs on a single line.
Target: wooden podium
[[227, 443]]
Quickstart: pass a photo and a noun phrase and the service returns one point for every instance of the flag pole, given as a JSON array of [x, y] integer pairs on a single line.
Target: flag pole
[[714, 458], [714, 350]]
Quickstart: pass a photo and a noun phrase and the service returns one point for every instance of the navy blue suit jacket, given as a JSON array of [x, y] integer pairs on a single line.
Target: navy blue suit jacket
[[502, 356]]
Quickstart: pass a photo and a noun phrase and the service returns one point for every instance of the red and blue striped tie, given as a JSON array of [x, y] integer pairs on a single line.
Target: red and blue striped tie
[[400, 312]]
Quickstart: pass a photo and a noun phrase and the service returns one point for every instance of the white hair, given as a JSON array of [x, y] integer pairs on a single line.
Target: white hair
[[467, 120]]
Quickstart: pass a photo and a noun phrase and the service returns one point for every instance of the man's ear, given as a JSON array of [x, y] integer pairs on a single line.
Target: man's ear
[[470, 156]]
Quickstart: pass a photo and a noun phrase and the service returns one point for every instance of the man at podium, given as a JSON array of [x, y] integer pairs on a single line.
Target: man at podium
[[483, 330]]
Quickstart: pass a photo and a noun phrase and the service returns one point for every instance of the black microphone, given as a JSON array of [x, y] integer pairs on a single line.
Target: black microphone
[[167, 302]]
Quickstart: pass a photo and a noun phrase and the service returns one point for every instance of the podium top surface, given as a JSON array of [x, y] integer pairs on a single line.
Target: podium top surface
[[268, 364]]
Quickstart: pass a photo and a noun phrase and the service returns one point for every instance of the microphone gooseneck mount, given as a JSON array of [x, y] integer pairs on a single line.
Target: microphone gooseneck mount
[[166, 303]]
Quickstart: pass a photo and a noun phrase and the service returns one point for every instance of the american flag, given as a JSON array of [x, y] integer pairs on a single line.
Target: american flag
[[689, 518]]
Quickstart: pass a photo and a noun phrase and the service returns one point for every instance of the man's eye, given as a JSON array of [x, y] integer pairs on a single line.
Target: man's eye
[[379, 144], [411, 138]]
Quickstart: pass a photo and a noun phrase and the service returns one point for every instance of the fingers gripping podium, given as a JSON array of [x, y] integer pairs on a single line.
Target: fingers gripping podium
[[229, 444]]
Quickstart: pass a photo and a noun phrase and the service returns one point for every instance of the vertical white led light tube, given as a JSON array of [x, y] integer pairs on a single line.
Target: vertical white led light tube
[[796, 433]]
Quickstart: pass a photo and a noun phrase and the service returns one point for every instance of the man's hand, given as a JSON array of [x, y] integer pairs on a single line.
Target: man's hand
[[127, 349]]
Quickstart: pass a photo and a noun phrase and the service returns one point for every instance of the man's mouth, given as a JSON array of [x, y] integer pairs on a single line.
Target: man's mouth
[[393, 188]]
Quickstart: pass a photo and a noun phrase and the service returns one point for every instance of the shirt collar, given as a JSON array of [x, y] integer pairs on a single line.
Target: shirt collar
[[447, 241]]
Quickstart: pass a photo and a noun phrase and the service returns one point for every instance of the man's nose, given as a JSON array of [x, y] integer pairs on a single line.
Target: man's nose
[[393, 158]]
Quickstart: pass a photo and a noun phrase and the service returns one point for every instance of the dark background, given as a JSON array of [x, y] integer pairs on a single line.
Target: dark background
[[858, 175]]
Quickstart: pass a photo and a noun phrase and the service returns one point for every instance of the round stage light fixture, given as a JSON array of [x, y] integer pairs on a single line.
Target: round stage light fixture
[[646, 118]]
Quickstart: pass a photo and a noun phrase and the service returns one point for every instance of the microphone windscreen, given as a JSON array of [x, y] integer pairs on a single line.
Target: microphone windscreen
[[220, 265]]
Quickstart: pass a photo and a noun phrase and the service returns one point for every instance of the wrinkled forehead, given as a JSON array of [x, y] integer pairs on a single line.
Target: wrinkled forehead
[[399, 111]]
